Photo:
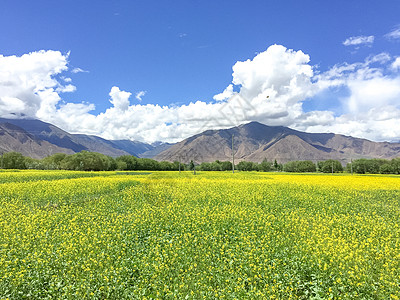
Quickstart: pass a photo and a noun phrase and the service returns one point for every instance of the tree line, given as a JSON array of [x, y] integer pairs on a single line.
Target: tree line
[[85, 161], [93, 161], [375, 166], [359, 166]]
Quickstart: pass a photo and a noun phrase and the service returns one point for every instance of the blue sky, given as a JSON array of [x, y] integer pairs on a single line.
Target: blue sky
[[180, 52]]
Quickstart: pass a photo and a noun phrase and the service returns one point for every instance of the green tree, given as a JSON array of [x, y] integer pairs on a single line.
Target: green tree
[[290, 166], [166, 166], [363, 165], [216, 166], [53, 162], [375, 164], [265, 166], [121, 165], [276, 165], [327, 165], [359, 166], [130, 161], [246, 166], [111, 163], [395, 164], [37, 164], [386, 169], [205, 166], [299, 166], [147, 164], [14, 160], [226, 166], [88, 161], [176, 165]]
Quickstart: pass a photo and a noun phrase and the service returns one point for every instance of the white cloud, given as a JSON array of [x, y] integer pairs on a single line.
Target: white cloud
[[66, 89], [369, 93], [315, 118], [396, 64], [29, 81], [273, 97], [271, 89], [380, 124], [10, 105], [380, 58], [78, 70], [139, 95], [368, 86], [359, 40], [226, 94], [119, 99], [372, 108], [394, 34]]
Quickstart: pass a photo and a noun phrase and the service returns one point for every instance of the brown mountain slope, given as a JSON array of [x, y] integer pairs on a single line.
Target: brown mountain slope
[[256, 142], [289, 148], [55, 136], [14, 138]]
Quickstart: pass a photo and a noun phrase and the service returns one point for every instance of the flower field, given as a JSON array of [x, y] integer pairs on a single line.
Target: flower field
[[108, 235]]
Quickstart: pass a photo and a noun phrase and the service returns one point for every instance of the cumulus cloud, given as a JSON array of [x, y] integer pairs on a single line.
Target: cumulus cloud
[[119, 99], [396, 64], [10, 105], [275, 82], [359, 40], [263, 96], [368, 93], [372, 108], [369, 86], [27, 83], [270, 88], [226, 94]]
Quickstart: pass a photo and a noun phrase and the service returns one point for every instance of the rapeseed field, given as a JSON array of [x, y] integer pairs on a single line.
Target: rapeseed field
[[165, 235]]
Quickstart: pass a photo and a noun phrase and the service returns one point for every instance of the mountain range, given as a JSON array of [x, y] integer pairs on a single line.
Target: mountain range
[[252, 142], [255, 142], [39, 139]]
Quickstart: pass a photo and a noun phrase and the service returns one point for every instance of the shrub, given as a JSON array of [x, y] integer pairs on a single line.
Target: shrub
[[299, 166]]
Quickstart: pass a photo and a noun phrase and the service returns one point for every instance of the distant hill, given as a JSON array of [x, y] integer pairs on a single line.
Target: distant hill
[[39, 139], [255, 142], [157, 149], [14, 138], [252, 142], [132, 147]]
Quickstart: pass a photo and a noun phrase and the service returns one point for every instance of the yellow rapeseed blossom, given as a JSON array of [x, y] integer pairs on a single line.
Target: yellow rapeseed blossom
[[103, 235]]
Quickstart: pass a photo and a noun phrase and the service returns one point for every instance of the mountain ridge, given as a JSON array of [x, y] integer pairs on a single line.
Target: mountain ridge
[[255, 142], [14, 138], [61, 141]]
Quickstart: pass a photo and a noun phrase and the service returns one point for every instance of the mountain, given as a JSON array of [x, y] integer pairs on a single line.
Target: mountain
[[42, 139], [132, 147], [255, 142], [158, 147], [56, 136], [14, 138]]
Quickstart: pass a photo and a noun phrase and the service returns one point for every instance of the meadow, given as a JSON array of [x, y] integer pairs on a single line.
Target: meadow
[[165, 235]]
